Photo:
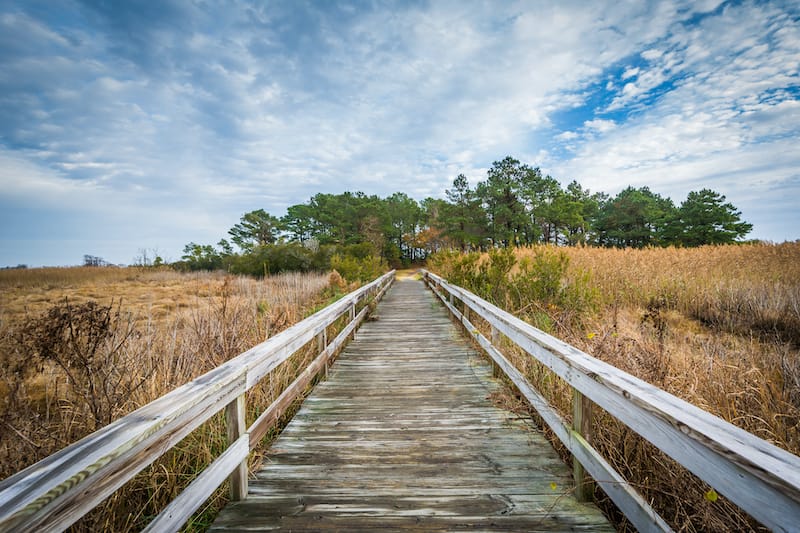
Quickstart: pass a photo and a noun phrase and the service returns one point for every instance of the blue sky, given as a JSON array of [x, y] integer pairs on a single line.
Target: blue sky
[[147, 125]]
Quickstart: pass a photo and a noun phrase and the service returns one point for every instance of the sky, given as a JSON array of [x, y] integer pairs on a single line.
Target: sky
[[139, 125]]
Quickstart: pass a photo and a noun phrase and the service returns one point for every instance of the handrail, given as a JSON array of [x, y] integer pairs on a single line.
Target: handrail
[[760, 478], [55, 492]]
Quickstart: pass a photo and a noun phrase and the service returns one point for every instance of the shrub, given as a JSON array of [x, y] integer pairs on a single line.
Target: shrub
[[716, 326], [355, 269], [87, 342], [540, 286], [272, 259], [185, 324]]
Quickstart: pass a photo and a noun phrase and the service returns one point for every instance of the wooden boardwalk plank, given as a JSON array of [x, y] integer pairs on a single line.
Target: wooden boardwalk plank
[[403, 436]]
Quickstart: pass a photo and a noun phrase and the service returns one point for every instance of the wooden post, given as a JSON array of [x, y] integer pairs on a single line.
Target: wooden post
[[582, 424], [495, 335], [466, 311], [322, 343], [352, 318], [235, 422]]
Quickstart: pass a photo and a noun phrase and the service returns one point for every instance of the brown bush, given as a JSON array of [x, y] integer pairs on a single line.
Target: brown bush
[[79, 350]]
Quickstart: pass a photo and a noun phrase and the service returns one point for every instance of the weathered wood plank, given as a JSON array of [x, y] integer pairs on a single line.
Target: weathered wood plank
[[403, 436], [273, 413], [378, 512], [235, 426], [582, 424], [761, 478], [181, 508], [58, 490], [624, 496], [51, 494]]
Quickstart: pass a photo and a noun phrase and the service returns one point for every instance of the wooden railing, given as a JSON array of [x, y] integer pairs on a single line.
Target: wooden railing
[[55, 492], [759, 477]]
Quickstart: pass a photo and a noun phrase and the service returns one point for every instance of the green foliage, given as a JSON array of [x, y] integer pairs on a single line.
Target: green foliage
[[300, 222], [362, 250], [199, 257], [273, 259], [403, 220], [501, 195], [540, 287], [540, 277], [516, 205], [362, 269], [636, 218], [348, 218], [545, 281], [491, 281], [225, 248], [705, 218], [579, 212], [456, 267], [256, 228], [462, 217]]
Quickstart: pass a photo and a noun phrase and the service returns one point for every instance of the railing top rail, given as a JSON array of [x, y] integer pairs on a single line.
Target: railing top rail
[[760, 477], [101, 462]]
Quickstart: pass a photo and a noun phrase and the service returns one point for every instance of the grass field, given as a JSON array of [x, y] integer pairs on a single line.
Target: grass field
[[716, 326], [80, 347]]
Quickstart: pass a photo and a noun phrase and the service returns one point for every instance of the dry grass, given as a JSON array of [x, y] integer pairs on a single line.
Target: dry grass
[[716, 326], [161, 330]]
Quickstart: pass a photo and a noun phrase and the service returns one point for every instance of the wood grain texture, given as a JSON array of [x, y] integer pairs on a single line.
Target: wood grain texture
[[275, 411], [582, 424], [181, 508], [235, 426], [404, 436], [627, 499], [761, 478]]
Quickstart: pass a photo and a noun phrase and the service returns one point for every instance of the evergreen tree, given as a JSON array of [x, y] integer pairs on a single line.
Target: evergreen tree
[[300, 222], [515, 205], [636, 218], [404, 218], [500, 194], [706, 218], [464, 219], [255, 228]]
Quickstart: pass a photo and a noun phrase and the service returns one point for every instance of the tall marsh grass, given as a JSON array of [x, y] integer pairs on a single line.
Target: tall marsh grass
[[80, 347], [717, 326]]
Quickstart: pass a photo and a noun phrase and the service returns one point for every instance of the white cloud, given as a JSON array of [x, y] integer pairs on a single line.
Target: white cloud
[[220, 111], [567, 136], [600, 125], [630, 72], [729, 121], [652, 54]]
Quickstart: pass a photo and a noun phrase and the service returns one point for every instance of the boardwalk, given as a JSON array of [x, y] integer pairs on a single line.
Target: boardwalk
[[403, 435]]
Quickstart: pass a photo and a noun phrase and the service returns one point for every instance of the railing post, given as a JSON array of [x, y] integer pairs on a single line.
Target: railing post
[[465, 311], [582, 424], [495, 338], [235, 422], [322, 343]]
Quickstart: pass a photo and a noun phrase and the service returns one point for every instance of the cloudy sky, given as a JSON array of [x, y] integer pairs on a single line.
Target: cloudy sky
[[147, 125]]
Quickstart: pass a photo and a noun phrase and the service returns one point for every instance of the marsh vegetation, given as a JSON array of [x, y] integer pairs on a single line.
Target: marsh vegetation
[[716, 326]]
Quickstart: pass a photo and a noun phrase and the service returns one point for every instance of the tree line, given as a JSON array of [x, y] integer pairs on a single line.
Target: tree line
[[516, 205]]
